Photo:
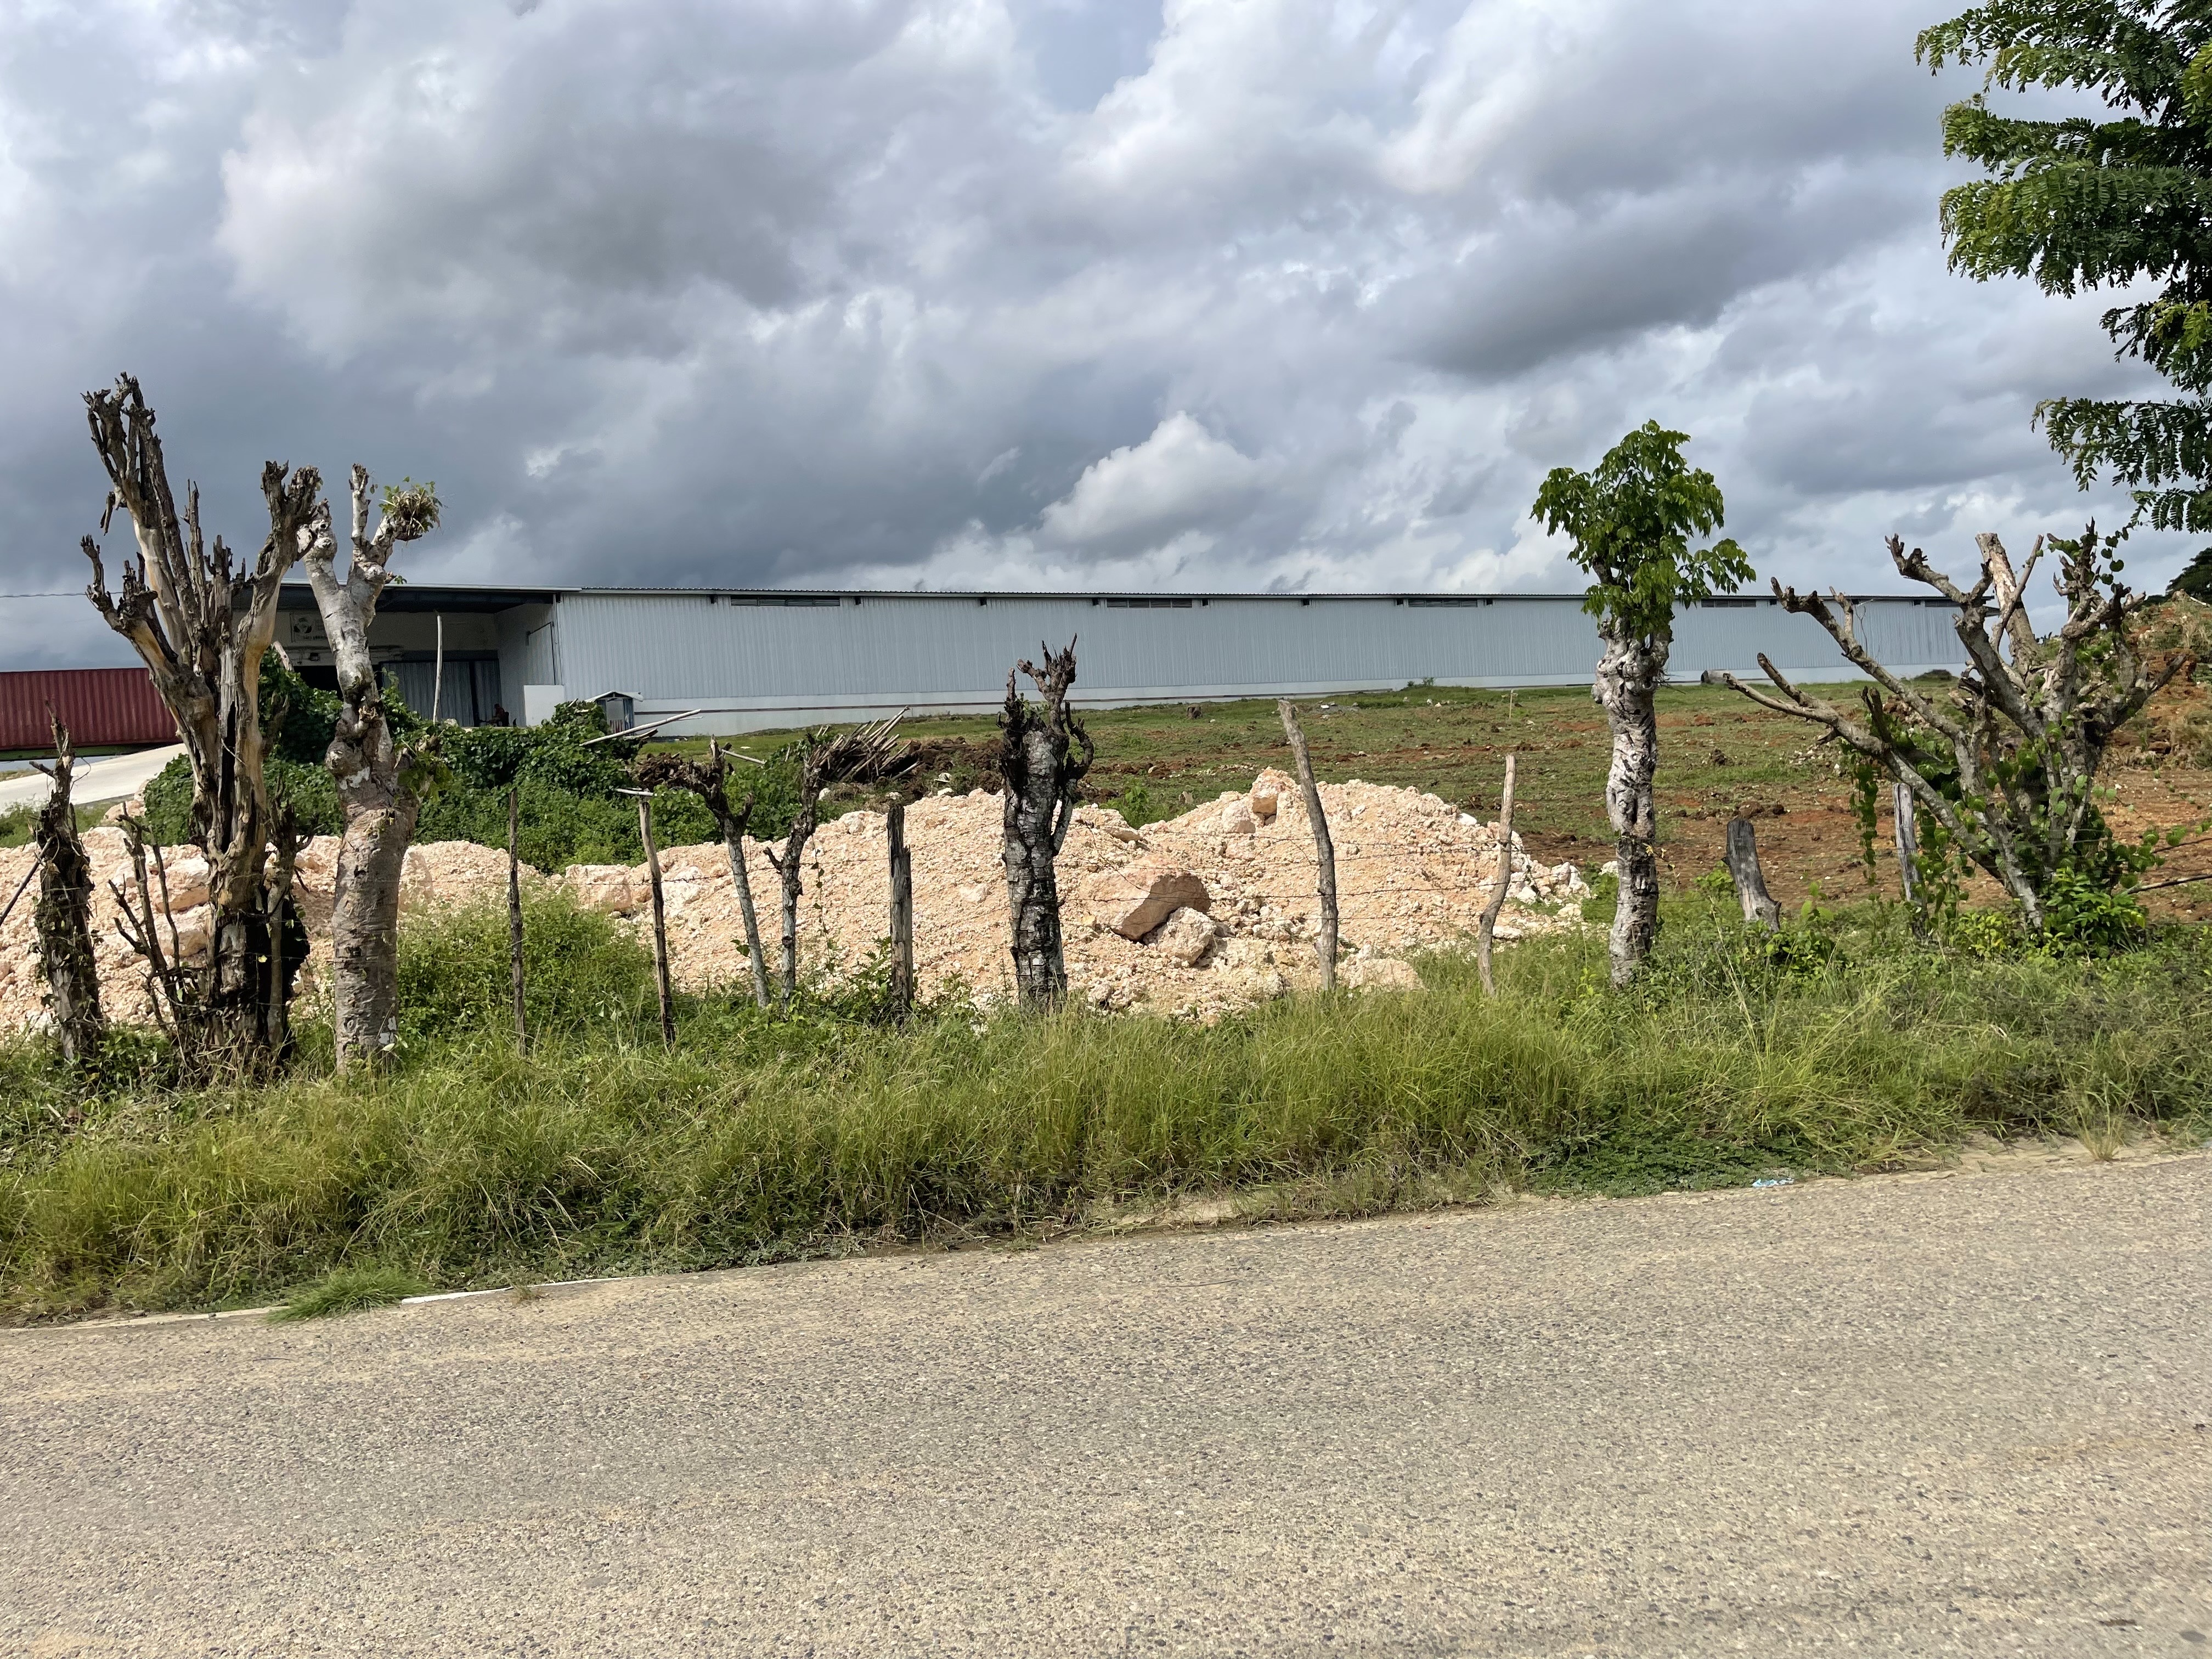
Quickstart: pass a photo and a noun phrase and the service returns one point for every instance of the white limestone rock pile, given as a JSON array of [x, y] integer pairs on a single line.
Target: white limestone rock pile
[[1208, 912], [1203, 914]]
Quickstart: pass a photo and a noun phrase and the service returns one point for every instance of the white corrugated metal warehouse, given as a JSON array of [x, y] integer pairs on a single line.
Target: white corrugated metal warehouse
[[752, 659]]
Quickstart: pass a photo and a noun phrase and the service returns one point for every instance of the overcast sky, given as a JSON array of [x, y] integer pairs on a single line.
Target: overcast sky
[[1206, 294]]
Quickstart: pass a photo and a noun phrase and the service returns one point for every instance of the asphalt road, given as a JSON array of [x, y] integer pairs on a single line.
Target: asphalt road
[[97, 778], [1928, 1416]]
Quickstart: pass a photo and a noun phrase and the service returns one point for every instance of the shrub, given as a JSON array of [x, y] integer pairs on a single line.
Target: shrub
[[1138, 808], [557, 827], [2083, 915]]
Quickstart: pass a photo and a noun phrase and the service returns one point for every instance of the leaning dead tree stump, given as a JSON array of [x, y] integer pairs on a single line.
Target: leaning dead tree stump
[[1742, 857], [1044, 752], [1324, 848], [1488, 926], [62, 916]]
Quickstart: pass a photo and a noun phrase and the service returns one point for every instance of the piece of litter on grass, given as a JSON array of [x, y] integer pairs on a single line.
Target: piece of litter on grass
[[1776, 1181]]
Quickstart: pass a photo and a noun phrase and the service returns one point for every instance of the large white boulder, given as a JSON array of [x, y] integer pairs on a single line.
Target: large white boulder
[[1186, 936], [1134, 901]]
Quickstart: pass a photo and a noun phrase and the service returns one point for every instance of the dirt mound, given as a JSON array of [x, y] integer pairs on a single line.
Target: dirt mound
[[1411, 873], [455, 871]]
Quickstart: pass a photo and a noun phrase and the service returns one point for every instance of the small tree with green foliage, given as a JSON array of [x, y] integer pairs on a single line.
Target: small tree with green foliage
[[2074, 202], [1632, 519]]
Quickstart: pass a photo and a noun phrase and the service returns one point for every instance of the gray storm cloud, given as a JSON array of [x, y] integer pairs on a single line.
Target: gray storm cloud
[[1212, 293]]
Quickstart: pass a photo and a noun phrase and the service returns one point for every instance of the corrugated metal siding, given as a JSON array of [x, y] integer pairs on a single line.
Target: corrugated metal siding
[[676, 651], [526, 640], [103, 708]]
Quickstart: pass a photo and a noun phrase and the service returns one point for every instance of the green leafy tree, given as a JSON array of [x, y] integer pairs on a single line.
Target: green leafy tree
[[2075, 203], [1632, 518]]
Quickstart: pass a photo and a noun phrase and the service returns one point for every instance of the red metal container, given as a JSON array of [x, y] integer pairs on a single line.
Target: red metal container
[[103, 708]]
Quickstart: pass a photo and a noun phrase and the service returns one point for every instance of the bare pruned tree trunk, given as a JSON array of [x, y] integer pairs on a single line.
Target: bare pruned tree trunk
[[711, 783], [866, 755], [791, 875], [2005, 758], [1487, 928], [375, 787], [733, 849], [1043, 753], [1629, 672], [202, 626], [62, 916], [1324, 848]]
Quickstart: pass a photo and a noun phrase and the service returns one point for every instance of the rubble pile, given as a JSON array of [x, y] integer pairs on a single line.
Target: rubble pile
[[1194, 916], [453, 872]]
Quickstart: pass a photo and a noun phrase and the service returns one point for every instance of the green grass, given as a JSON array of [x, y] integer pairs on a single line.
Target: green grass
[[348, 1289], [759, 1140], [1450, 741], [16, 823]]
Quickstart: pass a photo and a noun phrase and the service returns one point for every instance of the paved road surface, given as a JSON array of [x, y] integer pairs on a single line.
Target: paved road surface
[[97, 778], [1939, 1416]]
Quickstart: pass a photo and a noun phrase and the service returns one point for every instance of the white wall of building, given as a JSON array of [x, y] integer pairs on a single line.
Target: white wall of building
[[754, 661]]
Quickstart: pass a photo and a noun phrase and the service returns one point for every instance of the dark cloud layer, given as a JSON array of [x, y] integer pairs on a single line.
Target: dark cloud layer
[[1276, 292]]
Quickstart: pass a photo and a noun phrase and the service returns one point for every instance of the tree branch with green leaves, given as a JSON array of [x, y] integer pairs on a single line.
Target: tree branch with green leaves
[[2074, 202]]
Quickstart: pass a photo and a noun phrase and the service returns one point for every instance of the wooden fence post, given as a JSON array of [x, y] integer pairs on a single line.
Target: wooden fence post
[[1490, 911], [659, 915], [1324, 849], [515, 913], [1908, 843], [902, 987], [1759, 905]]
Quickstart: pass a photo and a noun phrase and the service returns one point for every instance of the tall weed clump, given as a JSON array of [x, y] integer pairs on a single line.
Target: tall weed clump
[[1844, 1043], [584, 978]]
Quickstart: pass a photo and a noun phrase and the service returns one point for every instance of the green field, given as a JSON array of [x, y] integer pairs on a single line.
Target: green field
[[1718, 753]]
